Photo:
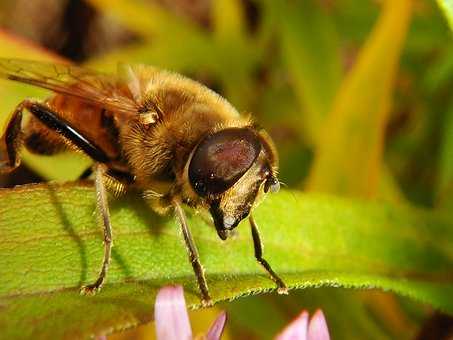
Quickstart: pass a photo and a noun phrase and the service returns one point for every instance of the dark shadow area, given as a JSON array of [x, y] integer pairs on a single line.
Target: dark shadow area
[[153, 222], [118, 258], [142, 210], [438, 327], [20, 176], [70, 231]]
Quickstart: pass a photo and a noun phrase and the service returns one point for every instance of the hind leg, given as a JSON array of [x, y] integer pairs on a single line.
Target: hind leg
[[39, 140], [35, 136], [12, 140]]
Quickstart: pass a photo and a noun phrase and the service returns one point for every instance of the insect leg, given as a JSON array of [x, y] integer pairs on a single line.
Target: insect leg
[[193, 255], [11, 140], [86, 173], [103, 210], [52, 121], [257, 244]]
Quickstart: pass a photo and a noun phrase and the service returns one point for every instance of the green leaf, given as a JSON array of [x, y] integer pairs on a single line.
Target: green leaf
[[310, 48], [228, 19], [170, 41], [349, 150], [447, 8], [50, 244], [445, 181], [145, 18], [441, 72]]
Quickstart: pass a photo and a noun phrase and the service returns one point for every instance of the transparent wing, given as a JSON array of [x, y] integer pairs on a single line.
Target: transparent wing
[[102, 89]]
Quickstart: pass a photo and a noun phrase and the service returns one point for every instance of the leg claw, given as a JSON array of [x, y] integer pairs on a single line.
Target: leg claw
[[89, 290], [207, 302], [282, 290]]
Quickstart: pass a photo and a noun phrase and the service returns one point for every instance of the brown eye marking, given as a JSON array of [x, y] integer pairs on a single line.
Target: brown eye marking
[[221, 159]]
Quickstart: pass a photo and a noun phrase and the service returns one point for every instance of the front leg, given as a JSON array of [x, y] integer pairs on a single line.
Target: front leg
[[103, 210], [258, 246], [194, 258]]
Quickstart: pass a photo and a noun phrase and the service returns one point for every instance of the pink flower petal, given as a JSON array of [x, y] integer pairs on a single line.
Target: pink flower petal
[[170, 314], [297, 329], [217, 327], [317, 328]]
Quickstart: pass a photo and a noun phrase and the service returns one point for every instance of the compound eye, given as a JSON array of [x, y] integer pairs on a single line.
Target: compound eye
[[221, 159]]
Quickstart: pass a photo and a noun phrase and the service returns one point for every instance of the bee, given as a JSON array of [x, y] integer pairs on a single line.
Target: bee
[[168, 136]]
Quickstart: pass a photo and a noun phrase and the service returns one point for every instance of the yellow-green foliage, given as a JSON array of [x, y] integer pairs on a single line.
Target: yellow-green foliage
[[357, 98]]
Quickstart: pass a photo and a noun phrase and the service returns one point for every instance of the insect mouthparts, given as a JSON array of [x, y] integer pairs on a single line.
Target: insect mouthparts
[[228, 222], [272, 185]]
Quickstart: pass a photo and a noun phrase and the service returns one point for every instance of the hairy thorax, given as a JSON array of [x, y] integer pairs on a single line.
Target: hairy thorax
[[158, 151]]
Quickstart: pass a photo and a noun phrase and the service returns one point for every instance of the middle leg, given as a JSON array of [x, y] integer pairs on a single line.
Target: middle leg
[[193, 256], [103, 210]]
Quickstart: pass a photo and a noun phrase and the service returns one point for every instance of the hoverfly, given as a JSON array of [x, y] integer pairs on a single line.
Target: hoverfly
[[171, 137]]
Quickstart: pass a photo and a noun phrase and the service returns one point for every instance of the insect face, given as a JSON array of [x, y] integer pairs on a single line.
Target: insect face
[[227, 170]]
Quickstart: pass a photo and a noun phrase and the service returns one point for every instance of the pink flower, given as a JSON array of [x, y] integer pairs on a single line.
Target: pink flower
[[172, 320], [302, 329]]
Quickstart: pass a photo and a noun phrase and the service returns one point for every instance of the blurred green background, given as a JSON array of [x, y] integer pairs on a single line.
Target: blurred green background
[[356, 95]]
